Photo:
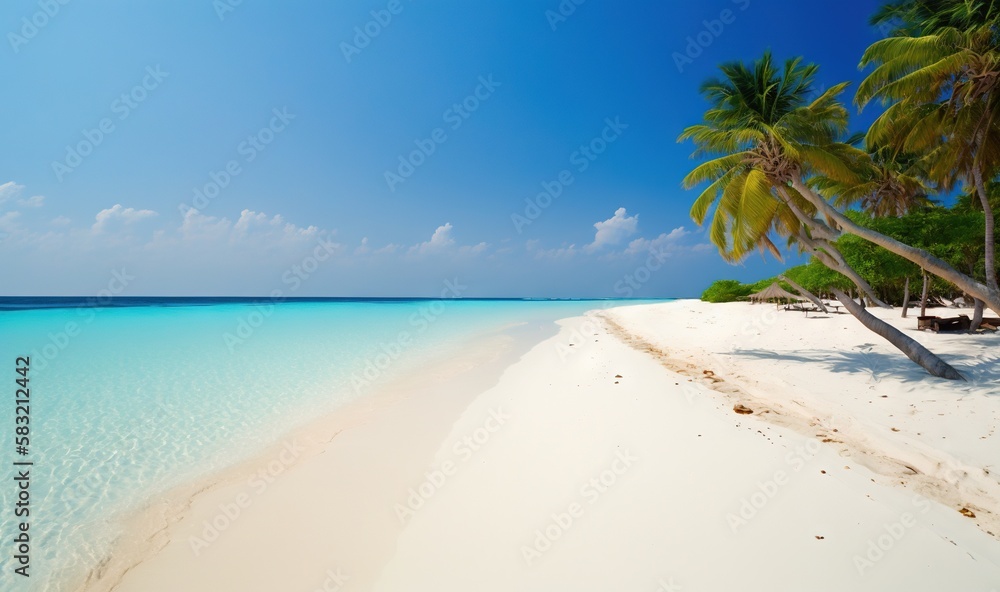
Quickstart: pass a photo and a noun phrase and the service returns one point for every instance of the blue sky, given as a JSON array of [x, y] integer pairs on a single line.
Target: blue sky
[[292, 125]]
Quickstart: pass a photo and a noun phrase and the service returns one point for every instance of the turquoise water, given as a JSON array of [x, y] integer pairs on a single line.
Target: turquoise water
[[130, 401]]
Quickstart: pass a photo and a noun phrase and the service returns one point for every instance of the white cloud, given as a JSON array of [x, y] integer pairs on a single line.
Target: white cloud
[[252, 238], [198, 226], [7, 223], [365, 248], [35, 201], [534, 246], [614, 230], [275, 227], [250, 229], [473, 249], [249, 219], [119, 213], [9, 190], [623, 225], [659, 244], [560, 253], [441, 240]]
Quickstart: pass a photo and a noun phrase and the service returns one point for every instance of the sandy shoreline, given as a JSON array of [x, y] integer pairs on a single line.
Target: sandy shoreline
[[588, 464], [219, 499]]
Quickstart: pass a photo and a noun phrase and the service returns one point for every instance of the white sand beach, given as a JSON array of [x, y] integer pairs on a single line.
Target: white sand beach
[[609, 457]]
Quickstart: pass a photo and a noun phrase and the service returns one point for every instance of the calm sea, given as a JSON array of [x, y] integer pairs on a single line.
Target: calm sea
[[132, 397]]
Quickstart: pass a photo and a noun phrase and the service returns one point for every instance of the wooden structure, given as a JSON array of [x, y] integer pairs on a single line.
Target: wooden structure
[[959, 323], [775, 293], [940, 325]]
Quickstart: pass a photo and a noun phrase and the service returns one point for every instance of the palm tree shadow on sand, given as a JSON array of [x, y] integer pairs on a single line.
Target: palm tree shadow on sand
[[979, 366]]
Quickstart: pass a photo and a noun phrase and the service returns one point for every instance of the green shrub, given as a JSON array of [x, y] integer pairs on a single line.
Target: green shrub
[[762, 284], [726, 291], [817, 278]]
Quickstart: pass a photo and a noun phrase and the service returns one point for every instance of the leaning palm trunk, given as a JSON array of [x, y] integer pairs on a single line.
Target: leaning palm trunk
[[922, 258], [923, 293], [818, 242], [991, 266], [977, 312], [828, 255], [913, 350], [977, 316], [806, 293], [906, 297]]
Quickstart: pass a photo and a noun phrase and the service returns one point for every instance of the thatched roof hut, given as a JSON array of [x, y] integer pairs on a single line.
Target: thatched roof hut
[[775, 293]]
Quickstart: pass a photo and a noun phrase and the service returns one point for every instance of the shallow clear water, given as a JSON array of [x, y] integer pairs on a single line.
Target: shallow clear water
[[129, 401]]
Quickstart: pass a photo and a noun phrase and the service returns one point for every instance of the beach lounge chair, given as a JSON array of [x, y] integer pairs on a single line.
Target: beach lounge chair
[[940, 325], [834, 306], [924, 323], [990, 323]]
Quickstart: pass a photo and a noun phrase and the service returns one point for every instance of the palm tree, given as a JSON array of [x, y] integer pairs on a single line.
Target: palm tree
[[756, 111], [767, 139], [889, 184], [969, 203], [915, 18], [942, 91]]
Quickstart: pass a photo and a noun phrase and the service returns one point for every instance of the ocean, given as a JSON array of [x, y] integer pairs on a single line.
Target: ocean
[[131, 397]]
